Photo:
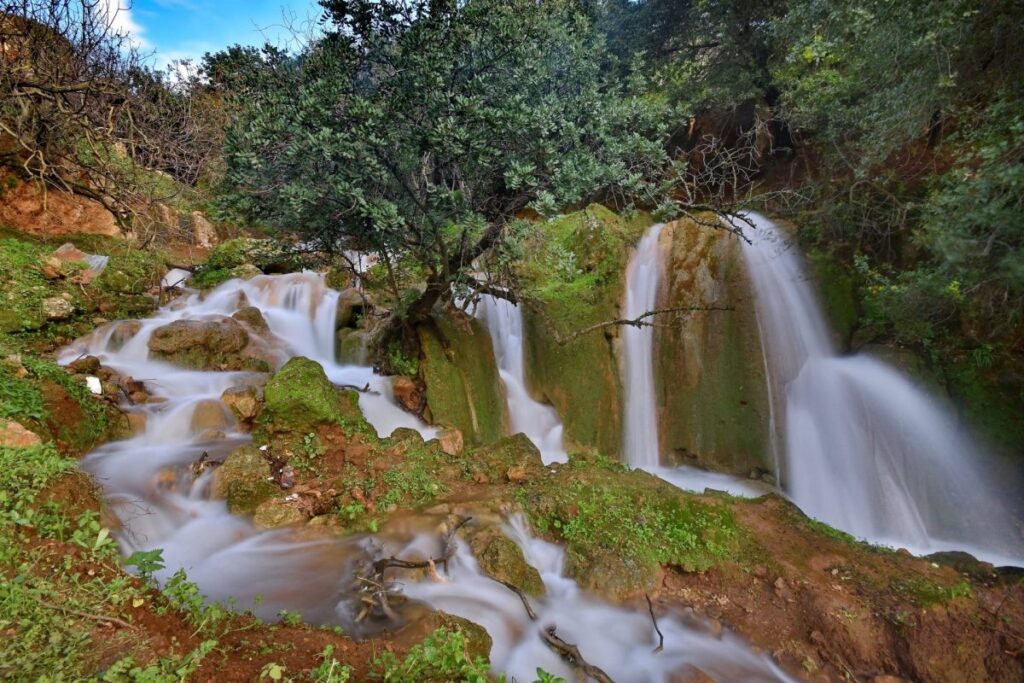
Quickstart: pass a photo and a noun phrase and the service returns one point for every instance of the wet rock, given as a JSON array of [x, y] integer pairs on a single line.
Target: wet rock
[[122, 333], [251, 316], [500, 557], [209, 415], [460, 374], [243, 402], [275, 513], [409, 394], [56, 308], [885, 678], [86, 365], [351, 304], [136, 422], [691, 674], [451, 441], [203, 233], [14, 435], [244, 480], [513, 458], [299, 396], [207, 345], [964, 563], [353, 346]]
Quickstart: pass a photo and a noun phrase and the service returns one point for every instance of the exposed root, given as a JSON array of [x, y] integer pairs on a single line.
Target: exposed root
[[571, 654]]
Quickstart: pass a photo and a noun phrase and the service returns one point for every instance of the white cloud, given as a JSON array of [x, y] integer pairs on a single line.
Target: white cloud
[[119, 15]]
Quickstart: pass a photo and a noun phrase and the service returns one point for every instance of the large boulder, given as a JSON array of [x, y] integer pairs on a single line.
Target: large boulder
[[713, 408], [461, 378], [299, 397], [244, 480], [209, 345]]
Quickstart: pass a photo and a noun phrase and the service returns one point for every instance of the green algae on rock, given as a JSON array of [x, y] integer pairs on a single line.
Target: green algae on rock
[[461, 376], [244, 480]]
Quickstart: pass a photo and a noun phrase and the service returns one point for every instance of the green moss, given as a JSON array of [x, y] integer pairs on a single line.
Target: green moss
[[838, 294], [992, 400], [926, 592], [619, 527], [244, 480], [573, 268], [502, 558], [299, 396], [461, 376]]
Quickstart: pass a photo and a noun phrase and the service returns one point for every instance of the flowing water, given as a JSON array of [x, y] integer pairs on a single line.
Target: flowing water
[[643, 278], [864, 448], [538, 421], [148, 482], [644, 275]]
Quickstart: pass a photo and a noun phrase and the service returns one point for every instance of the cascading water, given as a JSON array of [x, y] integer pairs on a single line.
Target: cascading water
[[149, 485], [864, 448], [538, 421], [640, 434], [643, 277]]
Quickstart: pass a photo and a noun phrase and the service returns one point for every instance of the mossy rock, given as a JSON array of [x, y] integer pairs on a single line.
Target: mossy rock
[[619, 527], [299, 396], [274, 513], [711, 389], [580, 379], [244, 480], [461, 377], [514, 453], [836, 287], [500, 557]]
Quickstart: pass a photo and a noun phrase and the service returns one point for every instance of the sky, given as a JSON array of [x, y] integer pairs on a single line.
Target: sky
[[186, 29]]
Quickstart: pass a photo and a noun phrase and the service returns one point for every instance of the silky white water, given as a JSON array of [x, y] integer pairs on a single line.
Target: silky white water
[[148, 483], [539, 422], [643, 277], [864, 448]]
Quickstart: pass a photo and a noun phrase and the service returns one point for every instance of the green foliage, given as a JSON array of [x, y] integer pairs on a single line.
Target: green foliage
[[399, 363], [442, 656], [435, 125], [926, 592], [146, 561], [330, 670], [164, 670]]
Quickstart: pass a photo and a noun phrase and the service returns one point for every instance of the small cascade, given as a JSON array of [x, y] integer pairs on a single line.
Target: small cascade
[[162, 504], [641, 443], [538, 421], [616, 640], [865, 449], [643, 277]]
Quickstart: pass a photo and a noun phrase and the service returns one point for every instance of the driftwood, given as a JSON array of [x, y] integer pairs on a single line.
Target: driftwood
[[571, 654], [380, 566], [522, 596], [362, 390]]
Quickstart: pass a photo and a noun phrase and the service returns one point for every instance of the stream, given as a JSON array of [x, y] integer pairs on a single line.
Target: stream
[[148, 482]]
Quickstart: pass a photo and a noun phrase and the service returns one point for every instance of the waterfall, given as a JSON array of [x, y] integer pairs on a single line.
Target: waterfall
[[864, 448], [643, 277], [538, 421], [148, 483]]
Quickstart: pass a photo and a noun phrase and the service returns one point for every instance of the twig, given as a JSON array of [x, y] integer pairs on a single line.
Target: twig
[[571, 654], [380, 566], [86, 615], [522, 596], [654, 620], [362, 390]]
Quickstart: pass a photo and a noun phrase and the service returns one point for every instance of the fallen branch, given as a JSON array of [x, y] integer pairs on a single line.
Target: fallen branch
[[639, 321], [86, 615], [654, 620], [522, 596], [571, 654], [380, 566], [362, 390]]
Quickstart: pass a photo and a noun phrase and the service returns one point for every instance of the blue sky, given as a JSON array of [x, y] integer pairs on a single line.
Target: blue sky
[[179, 29]]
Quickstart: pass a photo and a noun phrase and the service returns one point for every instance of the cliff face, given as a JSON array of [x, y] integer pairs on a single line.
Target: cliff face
[[709, 368]]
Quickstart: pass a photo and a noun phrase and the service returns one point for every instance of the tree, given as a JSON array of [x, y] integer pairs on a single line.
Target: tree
[[421, 130]]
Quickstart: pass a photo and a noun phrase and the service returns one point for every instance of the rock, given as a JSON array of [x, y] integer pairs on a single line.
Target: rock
[[409, 394], [86, 365], [136, 422], [244, 480], [123, 331], [885, 678], [299, 397], [203, 233], [209, 414], [512, 457], [208, 345], [246, 271], [275, 513], [353, 346], [14, 435], [501, 558], [964, 563], [690, 674], [28, 208], [352, 303], [243, 401], [516, 474], [460, 374], [56, 308], [49, 272], [251, 316], [451, 441]]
